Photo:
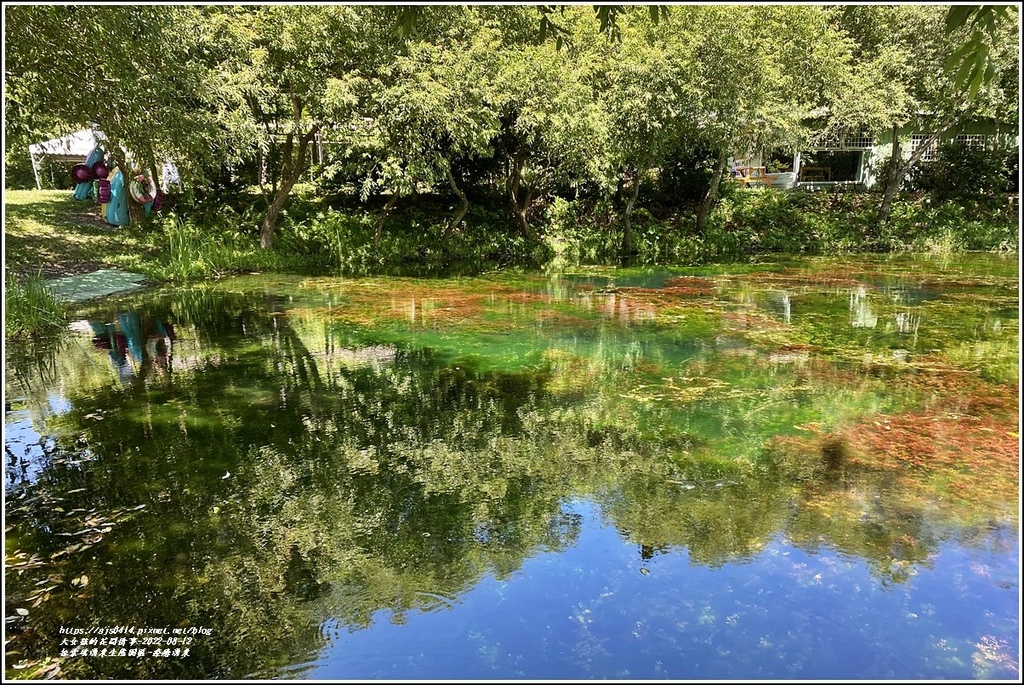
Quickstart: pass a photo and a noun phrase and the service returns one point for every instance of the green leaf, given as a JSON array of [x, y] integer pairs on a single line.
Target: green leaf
[[977, 79], [958, 15]]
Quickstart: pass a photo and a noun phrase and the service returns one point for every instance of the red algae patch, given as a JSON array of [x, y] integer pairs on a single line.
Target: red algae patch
[[691, 285], [744, 320], [523, 298], [932, 439], [967, 424], [793, 276]]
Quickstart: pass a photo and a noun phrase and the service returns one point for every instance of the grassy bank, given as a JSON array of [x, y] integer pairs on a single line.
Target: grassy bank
[[51, 232], [48, 234], [750, 223]]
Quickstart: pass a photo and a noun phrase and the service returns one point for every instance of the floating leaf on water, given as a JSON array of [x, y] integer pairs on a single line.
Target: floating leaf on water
[[22, 612]]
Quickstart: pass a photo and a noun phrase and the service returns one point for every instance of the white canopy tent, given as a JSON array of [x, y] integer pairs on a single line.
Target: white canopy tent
[[75, 147], [70, 148]]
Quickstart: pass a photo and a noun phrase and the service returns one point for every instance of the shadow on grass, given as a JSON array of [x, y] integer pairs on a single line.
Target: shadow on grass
[[70, 214], [60, 236]]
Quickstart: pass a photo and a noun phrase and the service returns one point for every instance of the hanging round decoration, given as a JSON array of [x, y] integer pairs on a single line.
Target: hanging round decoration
[[158, 201], [100, 169], [142, 189], [103, 190], [80, 173]]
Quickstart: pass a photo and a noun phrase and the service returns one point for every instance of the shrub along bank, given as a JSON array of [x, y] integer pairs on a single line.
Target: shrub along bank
[[748, 223]]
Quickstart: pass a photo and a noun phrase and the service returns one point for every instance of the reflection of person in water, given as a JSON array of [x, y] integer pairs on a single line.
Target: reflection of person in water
[[158, 344], [107, 337], [131, 326], [139, 338]]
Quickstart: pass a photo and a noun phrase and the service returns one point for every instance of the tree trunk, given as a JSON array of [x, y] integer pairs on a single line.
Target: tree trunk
[[627, 226], [898, 168], [292, 166], [894, 179], [273, 210], [709, 198], [151, 159], [462, 197], [136, 213], [513, 182], [388, 206], [521, 215]]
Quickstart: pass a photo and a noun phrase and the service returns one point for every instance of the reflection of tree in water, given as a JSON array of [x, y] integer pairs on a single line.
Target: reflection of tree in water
[[281, 491], [344, 495]]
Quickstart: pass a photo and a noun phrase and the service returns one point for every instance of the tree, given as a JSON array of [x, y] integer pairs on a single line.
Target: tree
[[902, 54], [408, 20], [757, 72], [134, 71], [430, 108], [643, 87], [552, 128], [286, 74], [972, 62]]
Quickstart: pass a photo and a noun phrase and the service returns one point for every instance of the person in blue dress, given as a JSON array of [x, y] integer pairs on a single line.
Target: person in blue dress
[[117, 207]]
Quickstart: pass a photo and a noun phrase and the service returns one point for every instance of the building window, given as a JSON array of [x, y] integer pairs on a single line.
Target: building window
[[917, 140], [860, 140], [834, 140], [971, 140]]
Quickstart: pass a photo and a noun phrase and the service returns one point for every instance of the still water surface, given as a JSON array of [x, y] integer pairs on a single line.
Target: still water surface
[[797, 470]]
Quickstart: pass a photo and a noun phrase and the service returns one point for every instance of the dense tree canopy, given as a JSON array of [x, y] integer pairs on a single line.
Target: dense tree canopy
[[523, 102], [125, 69]]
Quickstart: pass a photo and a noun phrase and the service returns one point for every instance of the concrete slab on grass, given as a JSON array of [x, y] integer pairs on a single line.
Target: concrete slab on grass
[[95, 284]]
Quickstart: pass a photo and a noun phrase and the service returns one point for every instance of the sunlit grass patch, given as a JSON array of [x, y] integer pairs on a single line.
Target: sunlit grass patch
[[49, 230]]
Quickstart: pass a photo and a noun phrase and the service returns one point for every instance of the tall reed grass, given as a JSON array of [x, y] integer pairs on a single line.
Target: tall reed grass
[[31, 309]]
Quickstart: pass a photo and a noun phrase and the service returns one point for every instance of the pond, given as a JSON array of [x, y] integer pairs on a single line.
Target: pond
[[801, 469]]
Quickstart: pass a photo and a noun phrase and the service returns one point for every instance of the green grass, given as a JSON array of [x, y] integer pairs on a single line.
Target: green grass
[[31, 309], [51, 234], [48, 231]]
